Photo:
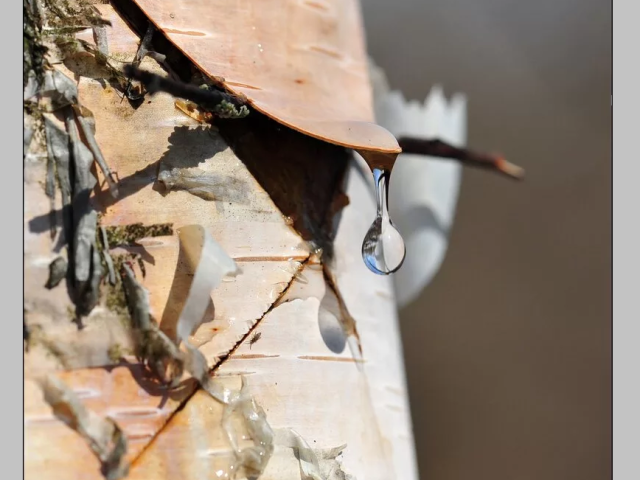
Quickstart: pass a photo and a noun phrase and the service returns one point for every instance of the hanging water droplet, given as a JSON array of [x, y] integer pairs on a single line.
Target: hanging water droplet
[[383, 249]]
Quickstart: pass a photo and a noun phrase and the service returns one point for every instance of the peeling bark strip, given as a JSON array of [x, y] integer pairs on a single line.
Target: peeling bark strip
[[34, 53], [57, 272], [52, 96], [97, 153], [107, 257], [153, 348], [211, 264], [251, 460], [103, 435]]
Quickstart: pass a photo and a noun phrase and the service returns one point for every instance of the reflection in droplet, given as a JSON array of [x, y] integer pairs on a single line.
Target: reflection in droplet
[[383, 249]]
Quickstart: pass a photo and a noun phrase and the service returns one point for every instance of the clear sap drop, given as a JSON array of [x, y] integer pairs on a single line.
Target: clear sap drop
[[383, 249]]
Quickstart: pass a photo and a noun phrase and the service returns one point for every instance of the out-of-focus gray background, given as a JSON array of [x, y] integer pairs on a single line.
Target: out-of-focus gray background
[[508, 350]]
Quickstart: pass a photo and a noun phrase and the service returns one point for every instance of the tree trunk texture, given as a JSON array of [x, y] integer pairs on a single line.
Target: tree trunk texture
[[313, 333]]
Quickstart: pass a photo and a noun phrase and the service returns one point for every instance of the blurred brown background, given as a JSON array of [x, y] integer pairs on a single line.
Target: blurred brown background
[[508, 350]]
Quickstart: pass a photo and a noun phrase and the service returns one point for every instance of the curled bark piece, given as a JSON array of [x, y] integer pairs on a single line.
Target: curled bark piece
[[202, 184], [211, 264], [53, 145], [58, 158], [29, 130], [57, 272], [307, 458], [84, 242], [65, 149], [137, 300], [160, 355], [107, 256], [30, 87], [82, 158], [254, 459], [97, 154], [57, 91], [314, 464], [50, 184], [88, 293], [58, 150], [86, 260], [196, 365], [84, 112], [103, 435], [100, 37], [153, 347]]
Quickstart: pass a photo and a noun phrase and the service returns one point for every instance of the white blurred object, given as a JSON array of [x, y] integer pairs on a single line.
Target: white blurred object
[[423, 190]]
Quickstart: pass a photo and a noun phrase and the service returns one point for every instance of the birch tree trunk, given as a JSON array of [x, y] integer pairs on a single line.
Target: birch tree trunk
[[314, 336]]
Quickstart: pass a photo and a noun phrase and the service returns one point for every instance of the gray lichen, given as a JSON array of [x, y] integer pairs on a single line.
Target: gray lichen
[[130, 234]]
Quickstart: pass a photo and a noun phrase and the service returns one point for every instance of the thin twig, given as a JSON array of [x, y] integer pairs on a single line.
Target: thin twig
[[143, 50], [222, 103], [438, 148]]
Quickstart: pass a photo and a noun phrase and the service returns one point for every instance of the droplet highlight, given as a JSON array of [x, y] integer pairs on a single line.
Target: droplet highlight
[[383, 249]]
